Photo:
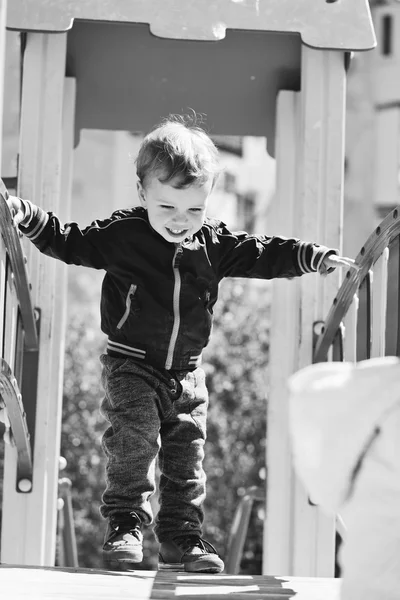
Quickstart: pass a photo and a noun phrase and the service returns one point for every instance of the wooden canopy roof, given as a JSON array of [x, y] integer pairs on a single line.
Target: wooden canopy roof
[[333, 24], [136, 61]]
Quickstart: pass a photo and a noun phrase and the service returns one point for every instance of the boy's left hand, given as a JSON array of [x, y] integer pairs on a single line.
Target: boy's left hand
[[332, 261]]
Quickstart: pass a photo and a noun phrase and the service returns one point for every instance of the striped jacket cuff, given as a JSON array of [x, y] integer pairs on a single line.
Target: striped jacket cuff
[[311, 256], [34, 221]]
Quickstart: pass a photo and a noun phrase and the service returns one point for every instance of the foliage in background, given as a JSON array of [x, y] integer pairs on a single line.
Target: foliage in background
[[235, 363]]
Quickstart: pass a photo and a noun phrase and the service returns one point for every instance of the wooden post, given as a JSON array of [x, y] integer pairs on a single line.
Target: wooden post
[[299, 539], [3, 11], [3, 14], [379, 305], [61, 290], [30, 518], [284, 334], [323, 92]]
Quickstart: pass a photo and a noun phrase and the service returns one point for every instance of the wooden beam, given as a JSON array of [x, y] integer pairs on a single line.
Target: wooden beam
[[284, 334], [3, 11], [29, 517], [299, 540], [321, 171], [379, 305], [3, 16], [350, 335], [61, 290]]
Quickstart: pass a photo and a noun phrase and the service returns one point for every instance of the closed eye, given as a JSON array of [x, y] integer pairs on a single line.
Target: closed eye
[[196, 210]]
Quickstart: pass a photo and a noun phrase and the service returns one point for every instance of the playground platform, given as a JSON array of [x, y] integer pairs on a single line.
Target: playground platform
[[18, 583]]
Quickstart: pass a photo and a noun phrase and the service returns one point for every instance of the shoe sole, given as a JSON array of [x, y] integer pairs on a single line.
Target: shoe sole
[[119, 565], [122, 562], [189, 568]]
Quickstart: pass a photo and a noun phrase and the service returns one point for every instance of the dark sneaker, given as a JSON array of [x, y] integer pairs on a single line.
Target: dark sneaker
[[123, 541], [189, 553]]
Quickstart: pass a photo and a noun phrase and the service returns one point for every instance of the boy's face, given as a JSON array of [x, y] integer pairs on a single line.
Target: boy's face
[[174, 213]]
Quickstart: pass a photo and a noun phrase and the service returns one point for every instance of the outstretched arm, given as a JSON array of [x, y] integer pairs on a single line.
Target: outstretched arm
[[264, 257], [66, 242]]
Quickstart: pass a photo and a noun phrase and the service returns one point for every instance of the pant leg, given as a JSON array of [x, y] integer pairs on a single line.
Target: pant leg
[[183, 481], [131, 442]]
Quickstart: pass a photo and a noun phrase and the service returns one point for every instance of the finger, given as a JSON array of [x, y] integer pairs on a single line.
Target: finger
[[343, 260], [351, 264], [355, 266], [346, 259], [18, 217]]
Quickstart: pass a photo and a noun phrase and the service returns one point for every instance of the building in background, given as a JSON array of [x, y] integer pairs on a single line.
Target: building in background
[[372, 170], [104, 167]]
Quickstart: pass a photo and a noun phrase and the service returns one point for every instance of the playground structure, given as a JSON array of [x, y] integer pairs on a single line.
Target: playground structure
[[276, 69]]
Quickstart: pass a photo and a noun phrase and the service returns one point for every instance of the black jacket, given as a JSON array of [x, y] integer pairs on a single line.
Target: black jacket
[[157, 297]]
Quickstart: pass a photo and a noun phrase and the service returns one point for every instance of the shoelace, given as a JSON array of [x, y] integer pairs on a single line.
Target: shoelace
[[125, 523], [186, 542]]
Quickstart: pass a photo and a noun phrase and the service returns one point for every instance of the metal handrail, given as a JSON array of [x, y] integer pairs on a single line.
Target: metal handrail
[[11, 397], [368, 255], [18, 267]]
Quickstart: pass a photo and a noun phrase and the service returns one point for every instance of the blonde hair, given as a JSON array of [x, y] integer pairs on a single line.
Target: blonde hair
[[179, 151]]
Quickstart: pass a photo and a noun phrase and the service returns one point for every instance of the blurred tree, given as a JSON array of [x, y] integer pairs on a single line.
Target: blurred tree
[[82, 428], [235, 362]]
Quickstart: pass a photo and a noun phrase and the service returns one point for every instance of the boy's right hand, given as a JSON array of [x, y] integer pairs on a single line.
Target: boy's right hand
[[16, 208]]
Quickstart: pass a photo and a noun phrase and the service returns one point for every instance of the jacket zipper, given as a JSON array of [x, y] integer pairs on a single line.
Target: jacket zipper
[[177, 318], [128, 301]]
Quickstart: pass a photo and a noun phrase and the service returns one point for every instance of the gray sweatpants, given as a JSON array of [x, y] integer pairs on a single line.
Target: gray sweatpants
[[154, 412]]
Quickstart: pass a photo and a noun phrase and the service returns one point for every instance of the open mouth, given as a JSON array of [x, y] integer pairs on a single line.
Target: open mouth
[[176, 232]]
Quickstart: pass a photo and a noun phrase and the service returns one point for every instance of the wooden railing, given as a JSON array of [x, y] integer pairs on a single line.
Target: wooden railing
[[67, 551], [19, 346], [364, 321], [239, 528]]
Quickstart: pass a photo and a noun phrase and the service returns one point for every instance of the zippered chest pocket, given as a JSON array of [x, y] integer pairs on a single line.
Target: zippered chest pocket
[[128, 305]]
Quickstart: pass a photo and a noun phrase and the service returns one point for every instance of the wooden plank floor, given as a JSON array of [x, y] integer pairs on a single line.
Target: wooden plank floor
[[36, 583]]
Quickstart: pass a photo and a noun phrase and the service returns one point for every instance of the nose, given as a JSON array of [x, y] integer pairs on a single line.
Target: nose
[[180, 219]]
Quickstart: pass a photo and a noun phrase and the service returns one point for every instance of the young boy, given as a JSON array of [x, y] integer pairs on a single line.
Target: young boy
[[163, 262]]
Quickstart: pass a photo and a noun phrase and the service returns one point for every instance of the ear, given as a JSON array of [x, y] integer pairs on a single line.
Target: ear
[[141, 194]]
